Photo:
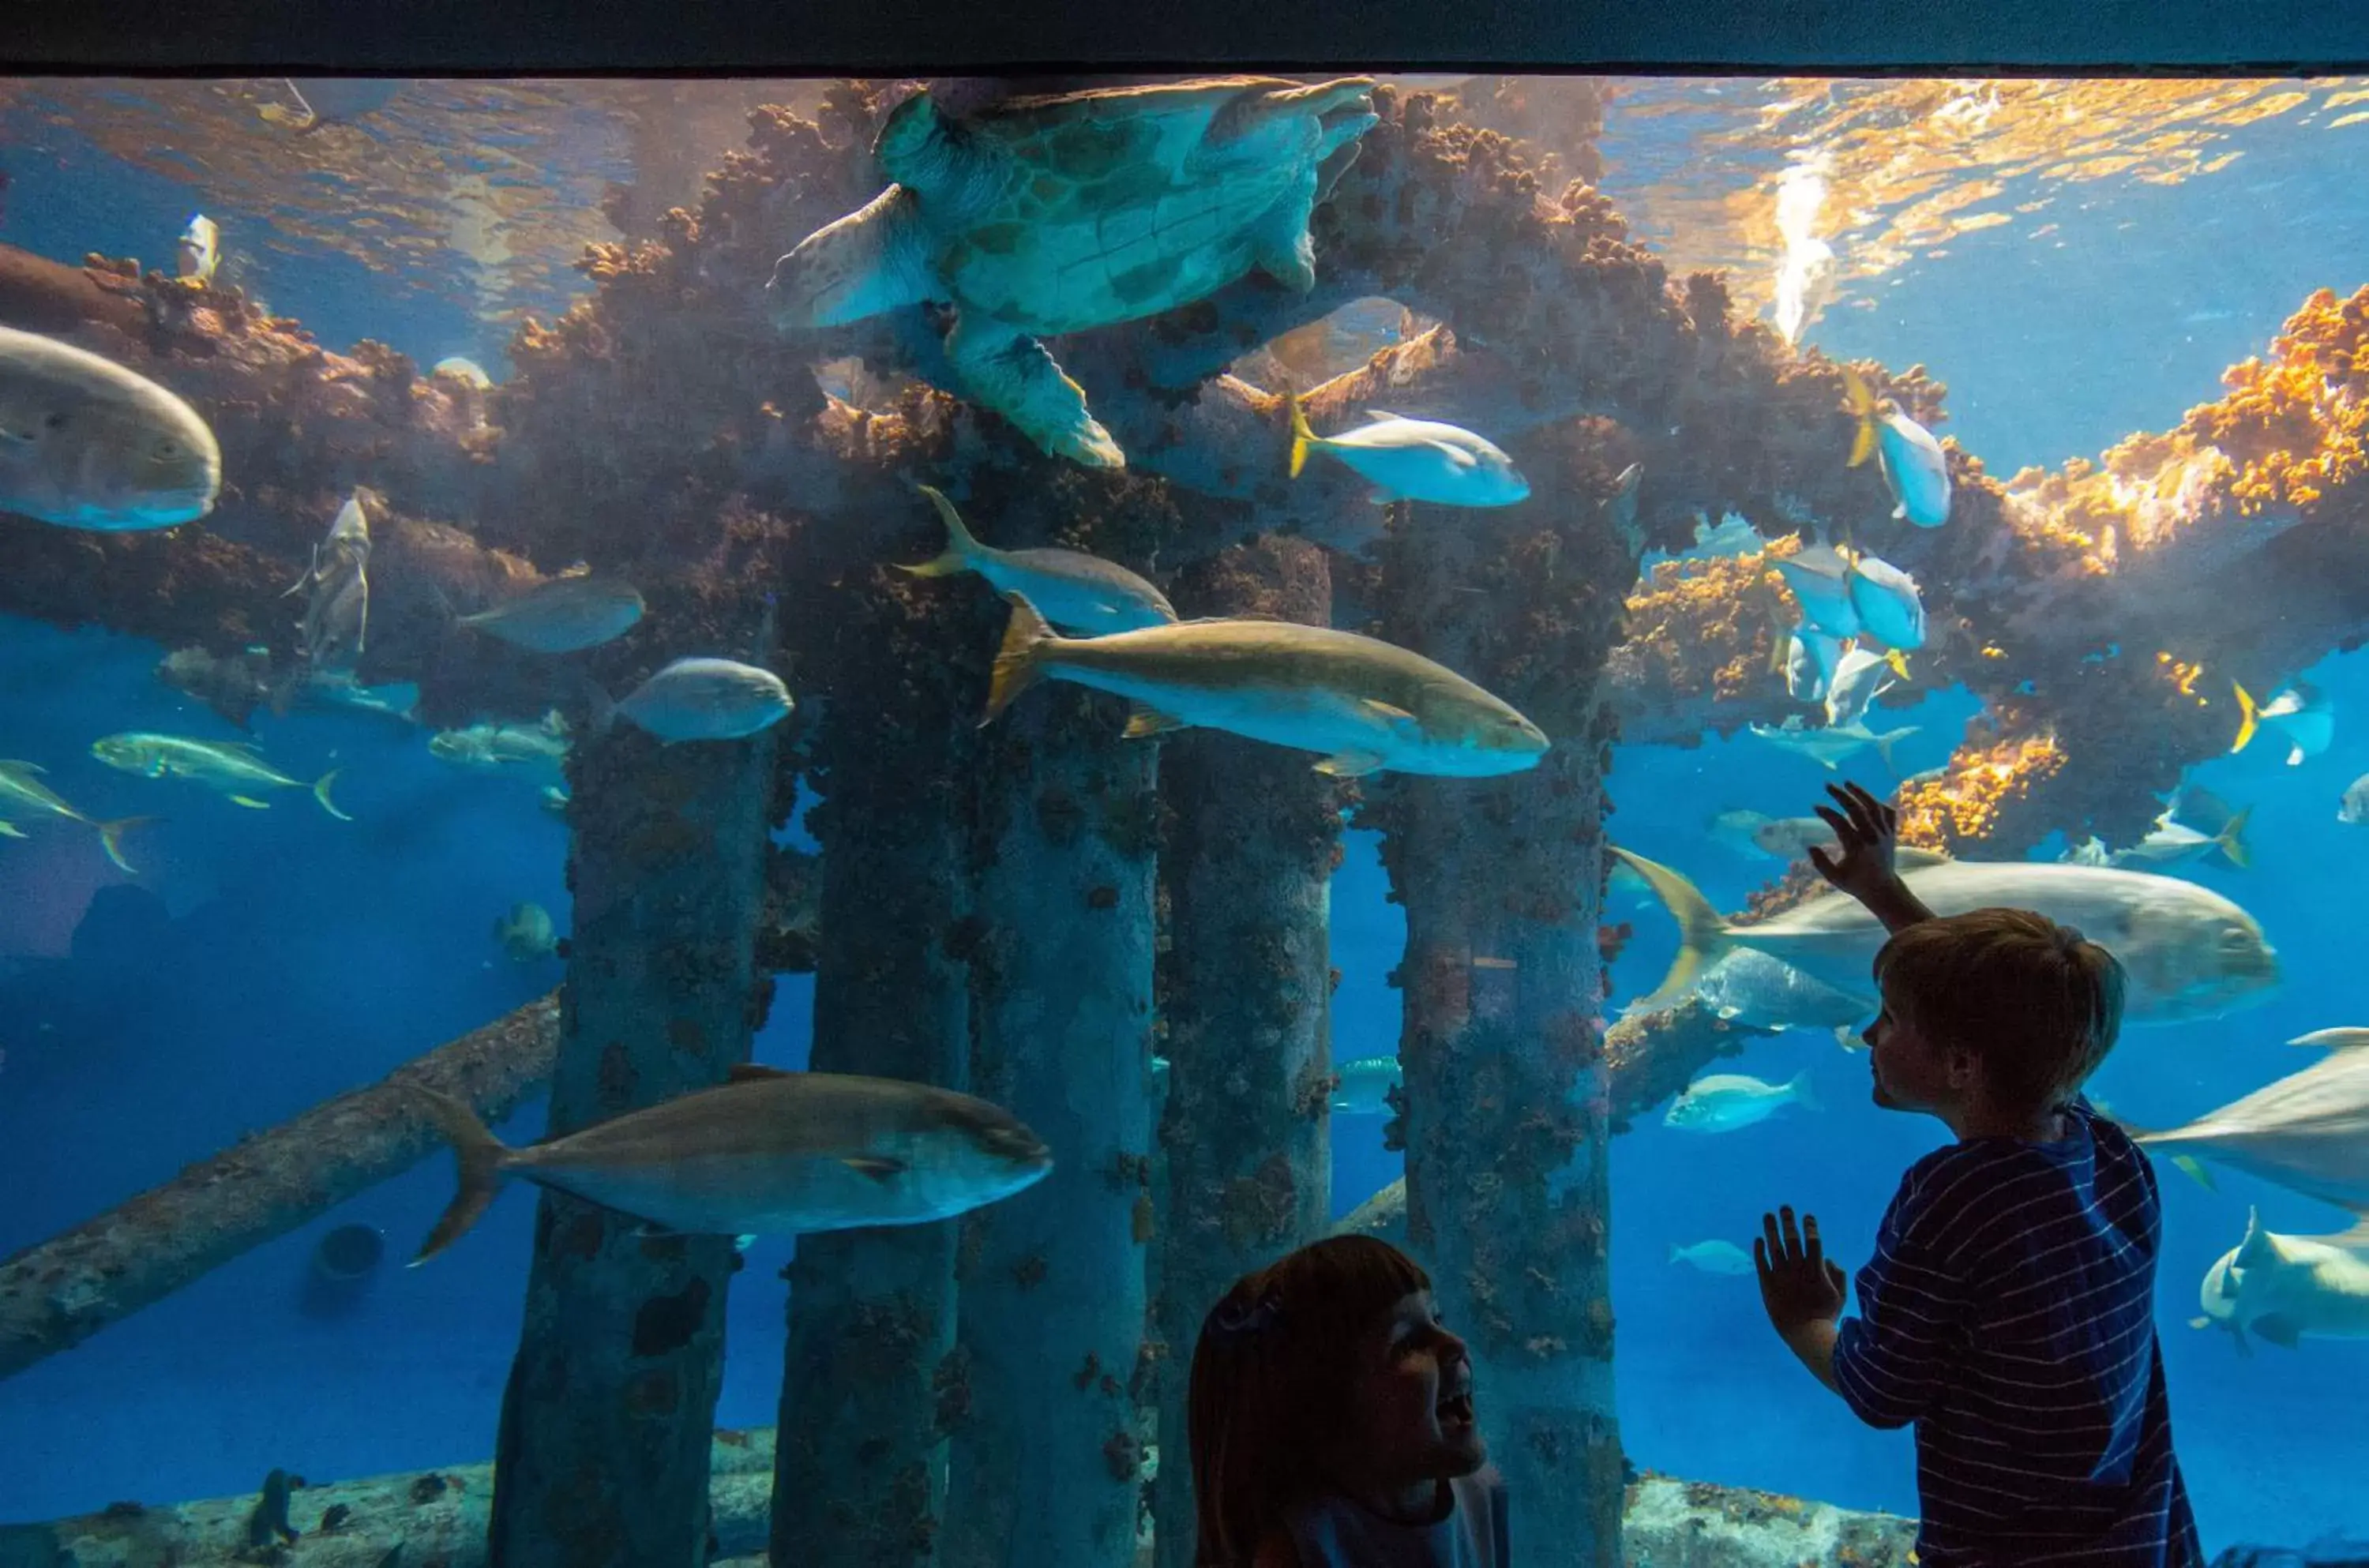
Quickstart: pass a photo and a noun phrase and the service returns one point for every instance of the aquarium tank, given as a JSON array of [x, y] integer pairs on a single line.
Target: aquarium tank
[[714, 792]]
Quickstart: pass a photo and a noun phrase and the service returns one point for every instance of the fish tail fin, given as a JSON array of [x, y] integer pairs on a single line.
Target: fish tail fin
[[1302, 438], [321, 792], [1803, 1095], [1702, 935], [478, 1156], [1677, 1252], [1021, 659], [2132, 1130], [1862, 407], [961, 549], [2249, 718], [2232, 841], [111, 839]]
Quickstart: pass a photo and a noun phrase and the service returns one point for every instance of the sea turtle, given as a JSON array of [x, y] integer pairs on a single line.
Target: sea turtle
[[1037, 217]]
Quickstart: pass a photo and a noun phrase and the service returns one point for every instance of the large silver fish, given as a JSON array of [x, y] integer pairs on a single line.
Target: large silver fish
[[1415, 459], [2189, 952], [86, 443], [707, 699], [566, 614], [233, 769], [2282, 1288], [336, 588], [1074, 591], [1364, 703], [2308, 1132], [1750, 987], [766, 1153], [1723, 1102]]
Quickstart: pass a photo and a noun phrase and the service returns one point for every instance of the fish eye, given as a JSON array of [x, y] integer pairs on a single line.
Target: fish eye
[[168, 447], [55, 421]]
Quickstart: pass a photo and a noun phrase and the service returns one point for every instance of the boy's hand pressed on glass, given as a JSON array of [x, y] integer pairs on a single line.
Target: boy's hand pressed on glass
[[1866, 833], [1803, 1289]]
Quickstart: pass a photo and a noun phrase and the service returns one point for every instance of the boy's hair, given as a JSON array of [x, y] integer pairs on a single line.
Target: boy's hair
[[1271, 1376], [2035, 1002]]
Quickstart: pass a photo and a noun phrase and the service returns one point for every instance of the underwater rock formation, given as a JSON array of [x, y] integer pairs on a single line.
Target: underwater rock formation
[[438, 1516], [1253, 838], [1650, 1057], [1507, 1097], [871, 1385], [57, 1294], [1043, 1466], [602, 1457]]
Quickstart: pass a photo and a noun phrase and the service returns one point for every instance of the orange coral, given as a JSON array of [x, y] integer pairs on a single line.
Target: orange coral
[[1983, 786], [2294, 424], [1708, 626]]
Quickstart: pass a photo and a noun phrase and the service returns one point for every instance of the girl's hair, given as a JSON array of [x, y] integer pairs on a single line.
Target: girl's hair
[[2035, 1002], [1272, 1378]]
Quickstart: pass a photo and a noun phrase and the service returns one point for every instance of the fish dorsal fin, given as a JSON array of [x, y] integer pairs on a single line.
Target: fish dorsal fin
[[1911, 856], [1379, 416], [2257, 1248], [15, 767], [879, 1167], [753, 1072], [1816, 560], [2334, 1040]]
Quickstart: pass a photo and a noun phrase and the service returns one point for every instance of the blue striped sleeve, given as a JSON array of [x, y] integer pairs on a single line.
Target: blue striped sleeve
[[1890, 1359]]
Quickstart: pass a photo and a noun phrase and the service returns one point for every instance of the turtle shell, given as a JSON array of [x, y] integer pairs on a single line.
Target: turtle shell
[[1057, 214]]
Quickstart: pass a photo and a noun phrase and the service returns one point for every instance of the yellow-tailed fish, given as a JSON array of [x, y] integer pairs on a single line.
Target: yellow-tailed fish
[[1365, 704], [19, 786], [1414, 460], [1074, 591], [231, 769], [2302, 711], [1915, 470]]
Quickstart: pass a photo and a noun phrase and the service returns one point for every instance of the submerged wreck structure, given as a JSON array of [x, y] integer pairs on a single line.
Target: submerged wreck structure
[[1123, 941]]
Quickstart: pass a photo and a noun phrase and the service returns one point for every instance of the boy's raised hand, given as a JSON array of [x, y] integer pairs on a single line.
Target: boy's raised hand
[[1799, 1285], [1867, 831]]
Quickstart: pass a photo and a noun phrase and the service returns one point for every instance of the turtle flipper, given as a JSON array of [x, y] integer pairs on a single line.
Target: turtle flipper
[[1014, 374], [1282, 247]]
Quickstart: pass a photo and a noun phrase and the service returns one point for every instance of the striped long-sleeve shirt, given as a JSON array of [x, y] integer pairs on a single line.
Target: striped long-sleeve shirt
[[2008, 1312]]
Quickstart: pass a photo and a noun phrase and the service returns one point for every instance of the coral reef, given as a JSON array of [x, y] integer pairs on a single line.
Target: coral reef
[[608, 1412], [1245, 991]]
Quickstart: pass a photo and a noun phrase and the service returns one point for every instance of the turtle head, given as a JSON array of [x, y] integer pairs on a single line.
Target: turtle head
[[870, 261]]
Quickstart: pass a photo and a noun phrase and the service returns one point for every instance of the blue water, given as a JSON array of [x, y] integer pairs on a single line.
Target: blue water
[[305, 955]]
